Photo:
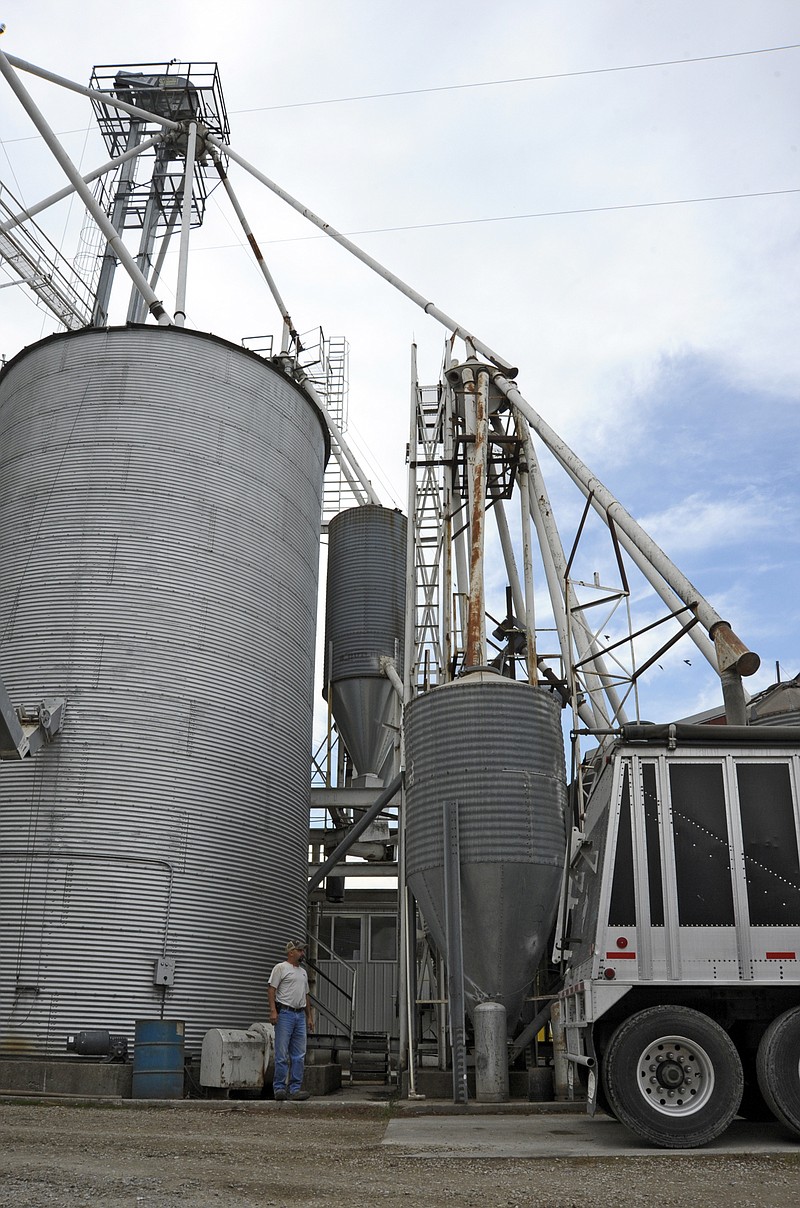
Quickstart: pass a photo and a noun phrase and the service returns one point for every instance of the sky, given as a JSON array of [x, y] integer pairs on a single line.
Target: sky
[[606, 192]]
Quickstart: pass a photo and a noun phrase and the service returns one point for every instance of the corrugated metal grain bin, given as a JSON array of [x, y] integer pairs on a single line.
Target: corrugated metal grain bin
[[494, 747], [160, 500], [365, 621]]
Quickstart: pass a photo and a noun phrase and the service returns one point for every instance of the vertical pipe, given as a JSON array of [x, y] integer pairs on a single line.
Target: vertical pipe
[[158, 267], [449, 573], [455, 951], [441, 1010], [527, 571], [405, 988], [148, 236], [409, 956], [733, 697], [461, 586], [186, 223], [507, 547], [118, 212], [329, 734], [476, 406], [561, 1070], [414, 421], [411, 653]]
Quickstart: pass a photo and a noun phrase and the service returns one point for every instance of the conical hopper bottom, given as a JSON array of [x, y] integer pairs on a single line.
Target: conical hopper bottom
[[493, 747], [362, 707]]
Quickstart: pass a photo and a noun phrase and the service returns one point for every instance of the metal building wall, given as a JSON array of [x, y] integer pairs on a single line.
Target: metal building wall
[[160, 499], [376, 995]]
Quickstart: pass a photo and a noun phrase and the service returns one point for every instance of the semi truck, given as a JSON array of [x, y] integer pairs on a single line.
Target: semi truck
[[678, 939]]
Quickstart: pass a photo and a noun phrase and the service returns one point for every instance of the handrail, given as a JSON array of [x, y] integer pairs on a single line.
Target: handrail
[[351, 997], [342, 1026], [322, 974]]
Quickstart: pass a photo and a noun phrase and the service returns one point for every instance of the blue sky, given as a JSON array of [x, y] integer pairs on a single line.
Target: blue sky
[[560, 216], [710, 473]]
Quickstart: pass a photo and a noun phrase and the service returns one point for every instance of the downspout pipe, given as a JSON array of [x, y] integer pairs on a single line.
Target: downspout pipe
[[527, 1034], [46, 202], [356, 833], [84, 192], [731, 651], [289, 333], [429, 307]]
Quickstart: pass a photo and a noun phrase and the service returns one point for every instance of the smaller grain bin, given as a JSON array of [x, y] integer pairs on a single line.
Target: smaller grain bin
[[494, 747], [365, 623]]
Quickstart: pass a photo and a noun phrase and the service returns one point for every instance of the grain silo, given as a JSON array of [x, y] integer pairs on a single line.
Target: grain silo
[[365, 624], [160, 497], [492, 748]]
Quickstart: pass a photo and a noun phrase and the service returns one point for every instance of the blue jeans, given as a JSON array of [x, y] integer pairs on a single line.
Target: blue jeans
[[290, 1050]]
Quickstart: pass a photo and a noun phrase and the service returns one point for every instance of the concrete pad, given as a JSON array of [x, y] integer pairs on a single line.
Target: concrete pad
[[542, 1136]]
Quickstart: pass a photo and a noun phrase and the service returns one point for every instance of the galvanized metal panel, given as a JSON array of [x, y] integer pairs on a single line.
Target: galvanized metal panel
[[376, 995], [365, 621], [160, 499], [494, 746]]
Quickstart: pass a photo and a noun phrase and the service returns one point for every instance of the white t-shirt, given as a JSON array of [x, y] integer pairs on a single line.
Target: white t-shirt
[[290, 983]]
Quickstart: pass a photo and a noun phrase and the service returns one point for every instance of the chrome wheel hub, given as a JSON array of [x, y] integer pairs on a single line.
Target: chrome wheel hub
[[675, 1075]]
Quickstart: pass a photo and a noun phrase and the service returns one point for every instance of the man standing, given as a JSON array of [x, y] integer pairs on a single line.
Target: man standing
[[290, 1013]]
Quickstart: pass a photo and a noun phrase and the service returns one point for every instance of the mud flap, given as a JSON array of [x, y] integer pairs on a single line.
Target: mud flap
[[592, 1074]]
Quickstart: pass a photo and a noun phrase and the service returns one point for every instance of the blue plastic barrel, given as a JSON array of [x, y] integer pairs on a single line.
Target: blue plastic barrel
[[158, 1059]]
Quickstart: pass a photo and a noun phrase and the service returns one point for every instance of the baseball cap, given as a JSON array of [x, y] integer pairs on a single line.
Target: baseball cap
[[296, 946]]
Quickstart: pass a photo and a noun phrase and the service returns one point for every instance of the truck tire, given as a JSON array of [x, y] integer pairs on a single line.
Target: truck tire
[[753, 1106], [778, 1068], [673, 1076]]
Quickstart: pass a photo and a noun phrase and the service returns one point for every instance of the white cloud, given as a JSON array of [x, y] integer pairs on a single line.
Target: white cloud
[[700, 523]]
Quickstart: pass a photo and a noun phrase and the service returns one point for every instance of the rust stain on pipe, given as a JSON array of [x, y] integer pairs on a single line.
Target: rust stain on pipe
[[732, 652], [474, 654]]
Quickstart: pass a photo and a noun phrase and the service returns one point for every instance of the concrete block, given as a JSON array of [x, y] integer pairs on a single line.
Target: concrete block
[[65, 1076], [321, 1080], [540, 1084]]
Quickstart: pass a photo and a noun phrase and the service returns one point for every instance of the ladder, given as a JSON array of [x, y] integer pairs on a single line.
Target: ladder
[[369, 1057], [428, 662]]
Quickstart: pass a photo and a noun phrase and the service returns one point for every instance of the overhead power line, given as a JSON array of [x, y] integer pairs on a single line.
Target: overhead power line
[[555, 75], [427, 226], [634, 205]]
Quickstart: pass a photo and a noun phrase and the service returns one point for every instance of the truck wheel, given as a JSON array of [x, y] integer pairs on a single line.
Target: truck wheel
[[778, 1068], [673, 1076], [753, 1106]]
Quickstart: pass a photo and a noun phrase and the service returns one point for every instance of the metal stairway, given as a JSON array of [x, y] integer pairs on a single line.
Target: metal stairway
[[369, 1057], [34, 261]]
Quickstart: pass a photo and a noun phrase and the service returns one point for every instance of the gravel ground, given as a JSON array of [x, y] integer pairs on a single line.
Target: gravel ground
[[54, 1156]]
